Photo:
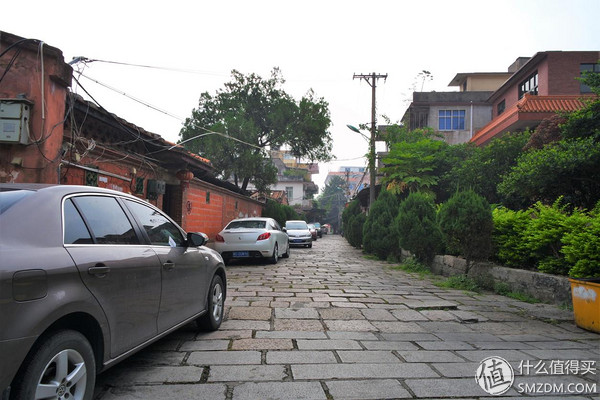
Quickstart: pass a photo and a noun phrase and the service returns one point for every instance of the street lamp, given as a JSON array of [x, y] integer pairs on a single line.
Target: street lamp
[[372, 175]]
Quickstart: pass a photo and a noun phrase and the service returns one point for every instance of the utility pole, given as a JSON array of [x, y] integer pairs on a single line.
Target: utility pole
[[371, 79]]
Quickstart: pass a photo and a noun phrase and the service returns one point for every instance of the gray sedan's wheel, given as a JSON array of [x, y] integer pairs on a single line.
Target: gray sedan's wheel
[[60, 367], [211, 321]]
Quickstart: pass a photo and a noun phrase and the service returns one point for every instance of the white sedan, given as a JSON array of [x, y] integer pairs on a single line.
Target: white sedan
[[253, 238]]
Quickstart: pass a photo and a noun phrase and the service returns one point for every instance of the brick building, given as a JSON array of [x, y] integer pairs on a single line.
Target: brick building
[[50, 135], [542, 86]]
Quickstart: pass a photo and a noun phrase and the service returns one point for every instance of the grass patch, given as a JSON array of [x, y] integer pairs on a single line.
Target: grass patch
[[414, 266], [503, 289], [460, 282]]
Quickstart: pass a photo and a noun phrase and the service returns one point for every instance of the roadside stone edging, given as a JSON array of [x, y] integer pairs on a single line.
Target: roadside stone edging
[[544, 287]]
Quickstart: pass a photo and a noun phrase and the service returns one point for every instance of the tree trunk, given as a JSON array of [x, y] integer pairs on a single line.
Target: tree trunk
[[245, 183]]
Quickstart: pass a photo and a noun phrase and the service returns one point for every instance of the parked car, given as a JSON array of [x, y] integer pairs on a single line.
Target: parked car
[[318, 228], [298, 233], [313, 231], [89, 276], [253, 238]]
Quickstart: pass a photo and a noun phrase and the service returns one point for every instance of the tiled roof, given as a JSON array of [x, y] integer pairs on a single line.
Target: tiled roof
[[531, 103], [529, 111]]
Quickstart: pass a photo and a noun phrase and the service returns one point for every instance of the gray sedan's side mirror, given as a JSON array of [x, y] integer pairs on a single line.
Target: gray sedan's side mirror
[[284, 229], [195, 239]]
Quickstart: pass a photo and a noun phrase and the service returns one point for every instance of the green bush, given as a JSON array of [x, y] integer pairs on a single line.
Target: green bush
[[418, 231], [581, 248], [379, 236], [354, 234], [543, 235], [509, 238], [550, 239], [352, 210], [279, 212], [466, 224]]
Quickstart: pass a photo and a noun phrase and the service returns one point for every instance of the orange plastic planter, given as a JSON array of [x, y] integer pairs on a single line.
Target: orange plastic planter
[[586, 304]]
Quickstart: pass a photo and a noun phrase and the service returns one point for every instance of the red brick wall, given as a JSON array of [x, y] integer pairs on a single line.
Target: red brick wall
[[37, 162], [124, 181], [210, 217], [563, 69]]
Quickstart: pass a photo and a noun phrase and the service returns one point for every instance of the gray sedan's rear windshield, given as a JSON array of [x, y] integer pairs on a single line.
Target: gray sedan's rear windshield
[[296, 225], [10, 197], [246, 224]]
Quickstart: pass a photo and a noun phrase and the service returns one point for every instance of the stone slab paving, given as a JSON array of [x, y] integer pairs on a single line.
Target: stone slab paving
[[328, 323]]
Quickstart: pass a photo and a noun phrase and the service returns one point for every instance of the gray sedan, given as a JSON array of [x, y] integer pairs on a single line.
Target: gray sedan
[[89, 276]]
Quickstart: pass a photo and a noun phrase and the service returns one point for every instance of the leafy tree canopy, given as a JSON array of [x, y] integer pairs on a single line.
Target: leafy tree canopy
[[411, 166], [333, 200], [260, 115]]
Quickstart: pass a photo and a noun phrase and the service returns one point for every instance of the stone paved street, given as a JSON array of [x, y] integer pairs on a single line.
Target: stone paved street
[[328, 323]]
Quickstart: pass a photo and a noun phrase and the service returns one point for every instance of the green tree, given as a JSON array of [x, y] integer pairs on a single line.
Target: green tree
[[466, 223], [412, 166], [484, 167], [333, 200], [256, 114], [279, 212], [417, 228], [352, 209], [379, 234], [568, 168]]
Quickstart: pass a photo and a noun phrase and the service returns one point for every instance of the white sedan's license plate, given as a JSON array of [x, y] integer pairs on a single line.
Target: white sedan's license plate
[[297, 240], [241, 254]]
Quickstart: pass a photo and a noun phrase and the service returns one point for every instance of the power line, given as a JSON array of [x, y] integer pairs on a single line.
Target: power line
[[134, 98]]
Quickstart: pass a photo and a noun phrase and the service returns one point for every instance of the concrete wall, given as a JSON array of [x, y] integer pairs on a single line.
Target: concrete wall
[[482, 114], [544, 287]]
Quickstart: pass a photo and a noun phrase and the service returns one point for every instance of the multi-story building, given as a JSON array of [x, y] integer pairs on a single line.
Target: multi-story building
[[456, 115], [542, 86], [294, 178], [356, 178]]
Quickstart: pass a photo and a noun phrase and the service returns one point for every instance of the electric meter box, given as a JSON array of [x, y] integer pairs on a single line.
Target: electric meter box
[[14, 120]]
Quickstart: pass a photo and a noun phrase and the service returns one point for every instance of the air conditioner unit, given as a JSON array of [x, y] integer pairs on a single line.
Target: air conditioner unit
[[14, 120]]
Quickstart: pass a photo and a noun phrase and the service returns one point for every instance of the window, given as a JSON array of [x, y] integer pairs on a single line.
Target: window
[[247, 223], [91, 178], [289, 191], [139, 185], [451, 120], [75, 230], [207, 197], [501, 107], [591, 68], [106, 220], [529, 85], [160, 230]]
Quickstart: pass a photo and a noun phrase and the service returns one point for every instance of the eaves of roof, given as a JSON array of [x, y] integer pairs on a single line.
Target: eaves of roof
[[531, 109]]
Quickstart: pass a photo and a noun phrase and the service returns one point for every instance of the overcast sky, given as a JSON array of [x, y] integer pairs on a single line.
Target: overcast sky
[[317, 45]]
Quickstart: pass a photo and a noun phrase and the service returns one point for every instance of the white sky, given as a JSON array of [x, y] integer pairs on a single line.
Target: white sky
[[317, 44]]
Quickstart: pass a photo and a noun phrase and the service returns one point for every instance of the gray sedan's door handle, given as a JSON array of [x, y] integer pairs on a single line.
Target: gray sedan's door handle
[[100, 270], [169, 265]]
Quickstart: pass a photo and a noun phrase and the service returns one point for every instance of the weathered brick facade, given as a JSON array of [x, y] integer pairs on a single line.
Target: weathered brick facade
[[76, 142]]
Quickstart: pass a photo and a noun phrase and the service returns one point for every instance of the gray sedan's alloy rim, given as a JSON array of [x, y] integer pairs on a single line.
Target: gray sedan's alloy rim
[[64, 377], [217, 302]]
